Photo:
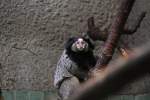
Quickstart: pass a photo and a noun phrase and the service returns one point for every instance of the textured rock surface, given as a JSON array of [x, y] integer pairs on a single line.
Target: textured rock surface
[[32, 34]]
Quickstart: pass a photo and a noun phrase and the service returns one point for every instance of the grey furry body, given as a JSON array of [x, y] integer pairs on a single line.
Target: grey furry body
[[67, 75]]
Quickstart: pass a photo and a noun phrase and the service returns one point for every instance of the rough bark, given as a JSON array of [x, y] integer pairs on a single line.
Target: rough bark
[[114, 33], [121, 73]]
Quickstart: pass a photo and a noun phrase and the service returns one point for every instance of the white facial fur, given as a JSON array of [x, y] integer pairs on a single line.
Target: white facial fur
[[80, 45]]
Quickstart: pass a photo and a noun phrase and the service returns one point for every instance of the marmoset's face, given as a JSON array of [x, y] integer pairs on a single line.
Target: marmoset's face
[[80, 45]]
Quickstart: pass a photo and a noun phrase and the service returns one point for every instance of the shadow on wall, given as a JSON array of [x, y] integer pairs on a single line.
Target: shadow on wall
[[1, 97]]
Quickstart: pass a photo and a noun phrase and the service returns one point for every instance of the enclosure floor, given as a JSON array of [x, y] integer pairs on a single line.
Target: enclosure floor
[[27, 95], [51, 95]]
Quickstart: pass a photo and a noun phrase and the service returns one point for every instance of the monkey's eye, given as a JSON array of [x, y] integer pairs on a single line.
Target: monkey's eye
[[80, 42], [77, 42]]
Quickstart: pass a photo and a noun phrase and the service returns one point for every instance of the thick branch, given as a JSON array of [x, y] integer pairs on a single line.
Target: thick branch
[[116, 76], [114, 33]]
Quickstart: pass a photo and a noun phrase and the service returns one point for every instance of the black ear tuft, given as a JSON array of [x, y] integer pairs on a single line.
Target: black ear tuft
[[91, 46], [69, 43]]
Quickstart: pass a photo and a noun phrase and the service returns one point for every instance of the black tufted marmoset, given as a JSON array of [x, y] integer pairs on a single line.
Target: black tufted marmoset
[[74, 64], [80, 51]]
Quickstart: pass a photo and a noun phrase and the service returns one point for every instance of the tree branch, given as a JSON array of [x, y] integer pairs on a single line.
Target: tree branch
[[114, 33], [115, 77]]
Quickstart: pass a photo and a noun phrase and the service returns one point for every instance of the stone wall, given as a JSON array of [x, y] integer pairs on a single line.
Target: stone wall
[[33, 32]]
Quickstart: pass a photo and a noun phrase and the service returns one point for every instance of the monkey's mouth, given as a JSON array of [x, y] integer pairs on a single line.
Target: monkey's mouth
[[82, 47]]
